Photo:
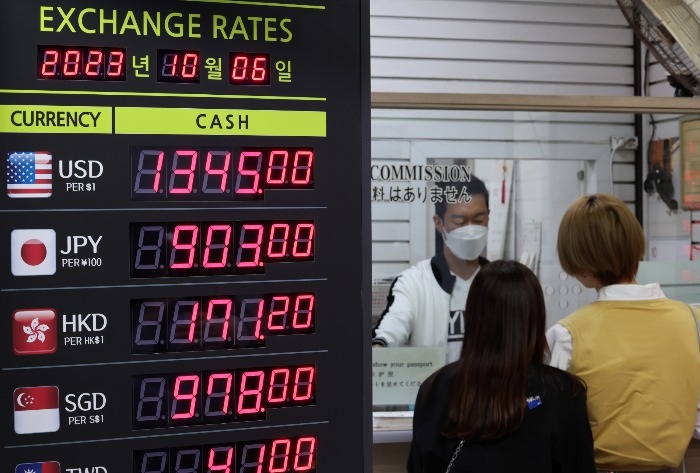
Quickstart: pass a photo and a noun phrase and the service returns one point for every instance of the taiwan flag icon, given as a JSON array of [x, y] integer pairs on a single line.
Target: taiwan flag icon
[[33, 252], [34, 331], [40, 467], [36, 410]]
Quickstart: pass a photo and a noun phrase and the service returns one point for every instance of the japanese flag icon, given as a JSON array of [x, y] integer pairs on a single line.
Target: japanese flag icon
[[33, 252]]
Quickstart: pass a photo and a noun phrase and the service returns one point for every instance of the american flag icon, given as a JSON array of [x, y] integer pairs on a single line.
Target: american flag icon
[[29, 174]]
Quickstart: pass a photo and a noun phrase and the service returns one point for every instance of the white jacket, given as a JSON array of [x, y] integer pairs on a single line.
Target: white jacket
[[418, 306]]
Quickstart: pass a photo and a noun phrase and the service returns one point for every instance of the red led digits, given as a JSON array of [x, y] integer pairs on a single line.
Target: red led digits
[[249, 69], [260, 74], [250, 322], [259, 390], [217, 327], [216, 170], [72, 64], [279, 237], [279, 456], [178, 66], [248, 178], [184, 404], [94, 63], [191, 173], [49, 64], [303, 311], [205, 248], [81, 63], [220, 459], [216, 246], [304, 455], [213, 323], [277, 167], [239, 68], [115, 65], [252, 457], [190, 66], [218, 394], [279, 309], [303, 383], [164, 400], [184, 324], [301, 171], [276, 455], [250, 238], [184, 246], [279, 385], [169, 65], [250, 395], [148, 172], [303, 240], [182, 175]]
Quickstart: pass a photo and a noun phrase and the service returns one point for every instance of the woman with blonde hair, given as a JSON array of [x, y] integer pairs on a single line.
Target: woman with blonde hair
[[636, 349]]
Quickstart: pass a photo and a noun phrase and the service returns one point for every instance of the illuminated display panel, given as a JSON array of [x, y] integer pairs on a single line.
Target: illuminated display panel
[[174, 399], [142, 254], [81, 63], [221, 322], [278, 455], [195, 248], [208, 174]]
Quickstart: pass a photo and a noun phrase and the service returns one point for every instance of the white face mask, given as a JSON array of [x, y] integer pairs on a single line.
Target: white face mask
[[466, 242]]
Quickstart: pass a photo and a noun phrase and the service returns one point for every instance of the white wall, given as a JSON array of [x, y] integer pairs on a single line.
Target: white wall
[[565, 47]]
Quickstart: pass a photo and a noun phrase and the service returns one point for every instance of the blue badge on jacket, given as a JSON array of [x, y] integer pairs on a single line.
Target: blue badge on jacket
[[533, 402]]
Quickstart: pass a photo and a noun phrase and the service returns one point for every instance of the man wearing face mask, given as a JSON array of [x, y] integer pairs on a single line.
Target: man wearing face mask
[[426, 302]]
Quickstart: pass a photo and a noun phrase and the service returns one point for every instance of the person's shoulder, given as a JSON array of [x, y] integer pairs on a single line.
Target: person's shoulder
[[419, 267], [581, 315], [558, 383], [679, 305], [412, 274], [443, 374], [439, 380]]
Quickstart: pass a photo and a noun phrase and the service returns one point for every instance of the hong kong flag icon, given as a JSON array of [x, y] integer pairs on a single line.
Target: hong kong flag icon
[[34, 331], [40, 467], [36, 410], [33, 252]]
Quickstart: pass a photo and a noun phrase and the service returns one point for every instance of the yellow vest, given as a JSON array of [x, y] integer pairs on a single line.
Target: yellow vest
[[641, 362]]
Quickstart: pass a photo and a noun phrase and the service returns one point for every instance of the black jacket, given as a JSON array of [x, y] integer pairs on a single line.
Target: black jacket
[[554, 437]]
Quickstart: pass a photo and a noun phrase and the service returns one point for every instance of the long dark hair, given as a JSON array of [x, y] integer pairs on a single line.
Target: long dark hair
[[504, 335]]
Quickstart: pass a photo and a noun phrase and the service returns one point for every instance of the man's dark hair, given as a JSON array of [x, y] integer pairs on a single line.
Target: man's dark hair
[[473, 187]]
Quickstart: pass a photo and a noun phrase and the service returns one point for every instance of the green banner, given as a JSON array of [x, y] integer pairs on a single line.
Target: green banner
[[55, 119], [190, 121]]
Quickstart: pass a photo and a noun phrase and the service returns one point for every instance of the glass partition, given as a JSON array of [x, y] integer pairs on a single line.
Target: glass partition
[[534, 165]]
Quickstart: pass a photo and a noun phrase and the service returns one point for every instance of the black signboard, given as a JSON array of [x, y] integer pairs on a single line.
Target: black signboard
[[185, 236]]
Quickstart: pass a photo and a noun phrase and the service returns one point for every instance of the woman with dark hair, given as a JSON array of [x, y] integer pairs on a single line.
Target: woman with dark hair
[[500, 408]]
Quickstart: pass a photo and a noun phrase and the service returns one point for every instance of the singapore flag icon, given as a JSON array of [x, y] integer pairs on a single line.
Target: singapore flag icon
[[33, 252], [36, 410]]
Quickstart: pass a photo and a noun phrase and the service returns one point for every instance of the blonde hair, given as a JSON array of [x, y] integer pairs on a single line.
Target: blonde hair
[[601, 236]]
